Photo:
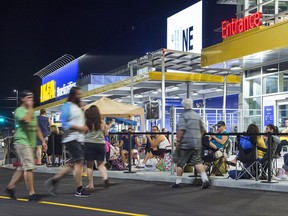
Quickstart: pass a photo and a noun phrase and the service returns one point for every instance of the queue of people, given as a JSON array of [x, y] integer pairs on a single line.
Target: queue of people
[[84, 134]]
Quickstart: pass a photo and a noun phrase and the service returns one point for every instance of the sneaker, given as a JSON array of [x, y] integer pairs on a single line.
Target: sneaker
[[175, 185], [205, 185], [50, 186], [82, 193], [106, 183], [10, 193], [280, 178], [142, 165], [34, 198]]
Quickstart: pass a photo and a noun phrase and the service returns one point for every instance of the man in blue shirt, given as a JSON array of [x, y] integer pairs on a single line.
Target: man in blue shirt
[[218, 141]]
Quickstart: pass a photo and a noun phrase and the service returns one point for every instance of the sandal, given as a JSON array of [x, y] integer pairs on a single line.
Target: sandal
[[230, 163]]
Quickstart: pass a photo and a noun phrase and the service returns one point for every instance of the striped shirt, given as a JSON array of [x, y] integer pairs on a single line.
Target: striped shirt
[[193, 126]]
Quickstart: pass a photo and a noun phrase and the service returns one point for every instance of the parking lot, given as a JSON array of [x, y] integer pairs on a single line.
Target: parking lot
[[132, 197]]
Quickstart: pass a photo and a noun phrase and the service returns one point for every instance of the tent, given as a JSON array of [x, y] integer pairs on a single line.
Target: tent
[[122, 121], [111, 108]]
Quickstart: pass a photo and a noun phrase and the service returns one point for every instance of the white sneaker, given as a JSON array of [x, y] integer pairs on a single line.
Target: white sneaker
[[141, 165], [284, 177], [281, 178]]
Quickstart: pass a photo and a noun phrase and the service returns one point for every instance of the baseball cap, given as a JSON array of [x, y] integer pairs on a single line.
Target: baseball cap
[[25, 93], [221, 123]]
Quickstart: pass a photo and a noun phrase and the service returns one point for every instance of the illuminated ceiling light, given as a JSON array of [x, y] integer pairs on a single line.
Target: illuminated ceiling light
[[272, 69], [155, 92], [175, 88], [138, 96], [176, 97], [235, 67], [218, 89], [195, 93]]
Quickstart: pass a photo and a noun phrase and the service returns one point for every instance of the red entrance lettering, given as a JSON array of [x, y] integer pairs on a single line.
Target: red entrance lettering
[[237, 26]]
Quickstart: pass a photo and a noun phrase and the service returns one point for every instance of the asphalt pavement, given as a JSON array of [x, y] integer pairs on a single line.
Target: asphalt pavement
[[147, 193], [136, 197]]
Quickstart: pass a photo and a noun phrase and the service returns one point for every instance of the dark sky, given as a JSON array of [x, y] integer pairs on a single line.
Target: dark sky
[[36, 32]]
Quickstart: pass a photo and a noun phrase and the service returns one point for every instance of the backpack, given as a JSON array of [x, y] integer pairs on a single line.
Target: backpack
[[245, 142], [221, 167], [118, 164]]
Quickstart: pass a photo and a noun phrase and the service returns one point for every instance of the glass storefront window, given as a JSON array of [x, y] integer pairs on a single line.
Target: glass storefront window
[[252, 87], [283, 84], [270, 69], [252, 120], [252, 106], [252, 72], [282, 114], [283, 66], [270, 84]]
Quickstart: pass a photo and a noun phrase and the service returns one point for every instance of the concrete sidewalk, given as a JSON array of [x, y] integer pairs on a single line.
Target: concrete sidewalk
[[219, 181]]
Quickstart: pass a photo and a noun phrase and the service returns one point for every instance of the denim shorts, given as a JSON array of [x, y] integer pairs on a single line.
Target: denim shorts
[[94, 151], [75, 150]]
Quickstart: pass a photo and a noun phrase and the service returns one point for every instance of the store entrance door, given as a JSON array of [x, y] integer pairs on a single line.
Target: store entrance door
[[282, 113]]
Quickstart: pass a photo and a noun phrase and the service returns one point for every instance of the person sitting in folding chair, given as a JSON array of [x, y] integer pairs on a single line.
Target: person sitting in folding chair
[[217, 144], [158, 146], [275, 139], [247, 143]]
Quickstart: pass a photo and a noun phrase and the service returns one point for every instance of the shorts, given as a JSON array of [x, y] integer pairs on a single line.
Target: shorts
[[75, 150], [157, 152], [39, 143], [26, 156], [188, 156], [94, 151]]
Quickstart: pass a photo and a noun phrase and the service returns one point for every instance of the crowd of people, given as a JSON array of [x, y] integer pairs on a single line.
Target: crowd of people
[[85, 138]]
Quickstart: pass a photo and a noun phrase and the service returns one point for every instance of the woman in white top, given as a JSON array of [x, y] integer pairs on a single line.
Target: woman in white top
[[94, 145], [158, 144]]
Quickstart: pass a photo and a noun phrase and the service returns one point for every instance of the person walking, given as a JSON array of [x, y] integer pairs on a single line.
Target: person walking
[[73, 123], [94, 146], [190, 130], [25, 139], [44, 124]]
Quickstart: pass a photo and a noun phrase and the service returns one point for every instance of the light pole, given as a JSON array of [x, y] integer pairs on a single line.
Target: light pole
[[16, 91]]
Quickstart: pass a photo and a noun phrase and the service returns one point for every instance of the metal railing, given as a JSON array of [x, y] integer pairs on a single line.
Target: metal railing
[[237, 135]]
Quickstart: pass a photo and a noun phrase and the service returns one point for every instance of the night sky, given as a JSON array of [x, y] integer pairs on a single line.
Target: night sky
[[34, 33]]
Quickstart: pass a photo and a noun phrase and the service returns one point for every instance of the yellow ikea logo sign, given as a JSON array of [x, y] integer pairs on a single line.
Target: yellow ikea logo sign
[[47, 91]]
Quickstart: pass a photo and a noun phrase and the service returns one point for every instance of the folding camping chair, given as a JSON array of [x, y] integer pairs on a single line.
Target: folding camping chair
[[247, 160], [212, 158]]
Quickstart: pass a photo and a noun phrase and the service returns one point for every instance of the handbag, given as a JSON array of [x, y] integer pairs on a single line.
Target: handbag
[[220, 153], [167, 161], [107, 146]]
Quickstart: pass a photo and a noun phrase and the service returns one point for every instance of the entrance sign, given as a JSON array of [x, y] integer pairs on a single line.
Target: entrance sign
[[237, 26]]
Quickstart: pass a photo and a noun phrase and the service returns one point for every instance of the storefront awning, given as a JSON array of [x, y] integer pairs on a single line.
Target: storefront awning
[[249, 49]]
